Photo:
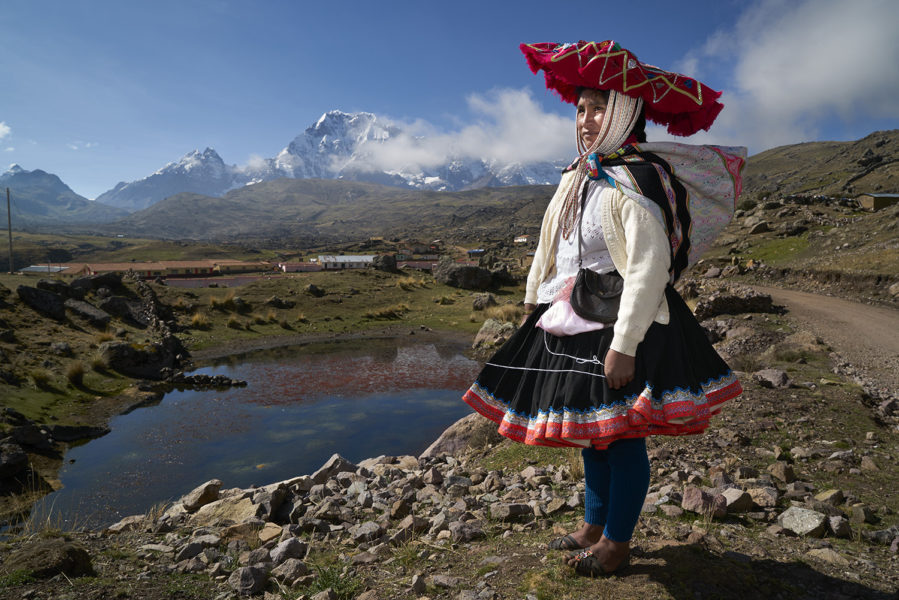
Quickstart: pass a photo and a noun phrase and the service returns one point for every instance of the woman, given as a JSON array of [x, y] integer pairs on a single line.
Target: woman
[[646, 211]]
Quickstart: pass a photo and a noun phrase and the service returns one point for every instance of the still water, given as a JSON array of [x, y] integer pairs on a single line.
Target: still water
[[301, 405]]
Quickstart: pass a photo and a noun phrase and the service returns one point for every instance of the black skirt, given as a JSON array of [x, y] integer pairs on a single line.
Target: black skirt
[[547, 390]]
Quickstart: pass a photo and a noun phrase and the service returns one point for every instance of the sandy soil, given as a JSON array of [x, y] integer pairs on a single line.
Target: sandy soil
[[865, 336]]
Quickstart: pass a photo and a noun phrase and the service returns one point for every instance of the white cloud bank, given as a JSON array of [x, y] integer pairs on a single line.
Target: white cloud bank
[[4, 130], [796, 65], [509, 127]]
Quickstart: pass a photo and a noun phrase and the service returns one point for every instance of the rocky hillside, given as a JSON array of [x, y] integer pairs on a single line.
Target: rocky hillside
[[838, 169], [789, 495]]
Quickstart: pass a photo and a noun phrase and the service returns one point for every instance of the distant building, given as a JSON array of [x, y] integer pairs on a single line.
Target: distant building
[[522, 239], [476, 252], [877, 201], [331, 263], [297, 267]]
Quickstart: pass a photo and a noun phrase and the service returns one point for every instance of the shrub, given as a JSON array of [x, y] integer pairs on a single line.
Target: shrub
[[98, 363], [272, 316], [444, 300], [391, 312], [234, 323], [75, 373], [105, 337], [301, 318], [199, 321], [258, 319], [284, 324], [510, 313], [40, 377]]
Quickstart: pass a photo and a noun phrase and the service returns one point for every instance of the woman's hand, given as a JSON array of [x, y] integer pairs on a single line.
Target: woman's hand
[[528, 309], [619, 369]]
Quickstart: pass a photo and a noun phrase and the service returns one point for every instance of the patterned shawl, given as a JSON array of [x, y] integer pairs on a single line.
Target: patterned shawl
[[692, 190]]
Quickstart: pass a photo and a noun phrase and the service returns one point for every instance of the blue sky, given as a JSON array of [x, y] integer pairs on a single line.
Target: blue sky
[[99, 92]]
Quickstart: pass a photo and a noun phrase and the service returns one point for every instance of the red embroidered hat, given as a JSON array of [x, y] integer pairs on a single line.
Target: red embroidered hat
[[682, 103]]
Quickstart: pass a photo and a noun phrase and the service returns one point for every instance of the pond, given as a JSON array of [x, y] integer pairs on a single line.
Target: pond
[[301, 405]]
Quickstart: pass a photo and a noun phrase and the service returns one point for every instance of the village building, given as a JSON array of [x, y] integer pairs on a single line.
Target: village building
[[299, 267], [522, 239], [875, 202], [332, 263]]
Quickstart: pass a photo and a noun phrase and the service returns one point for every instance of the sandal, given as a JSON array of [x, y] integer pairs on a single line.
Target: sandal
[[588, 565], [565, 543]]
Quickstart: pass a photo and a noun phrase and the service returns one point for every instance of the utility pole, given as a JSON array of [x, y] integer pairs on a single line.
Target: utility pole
[[9, 227]]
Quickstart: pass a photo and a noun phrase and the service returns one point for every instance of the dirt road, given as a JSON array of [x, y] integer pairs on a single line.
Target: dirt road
[[865, 336]]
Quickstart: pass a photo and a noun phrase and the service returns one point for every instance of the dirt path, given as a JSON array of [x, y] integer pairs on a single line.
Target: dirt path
[[865, 336]]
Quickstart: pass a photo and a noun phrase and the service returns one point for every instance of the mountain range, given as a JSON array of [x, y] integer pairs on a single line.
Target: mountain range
[[338, 146], [38, 197]]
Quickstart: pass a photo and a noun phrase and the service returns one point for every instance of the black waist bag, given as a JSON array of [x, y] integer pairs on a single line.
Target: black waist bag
[[596, 296]]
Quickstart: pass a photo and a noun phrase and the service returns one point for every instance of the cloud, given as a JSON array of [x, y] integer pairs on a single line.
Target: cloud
[[796, 65], [509, 126], [4, 130], [81, 145], [9, 149]]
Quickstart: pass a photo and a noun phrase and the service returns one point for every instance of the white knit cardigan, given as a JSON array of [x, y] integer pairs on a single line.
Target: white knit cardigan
[[638, 244]]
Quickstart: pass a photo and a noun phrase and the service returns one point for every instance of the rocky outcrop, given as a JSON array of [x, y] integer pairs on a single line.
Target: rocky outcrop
[[467, 277], [45, 302]]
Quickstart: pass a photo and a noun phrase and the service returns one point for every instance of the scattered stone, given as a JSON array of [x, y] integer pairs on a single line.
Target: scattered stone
[[42, 301], [45, 558], [829, 555], [782, 471], [738, 501], [772, 378], [803, 522], [840, 527], [202, 495], [248, 581], [698, 501]]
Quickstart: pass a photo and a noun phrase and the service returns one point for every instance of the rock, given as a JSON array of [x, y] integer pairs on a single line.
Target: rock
[[368, 531], [61, 348], [31, 436], [712, 273], [42, 301], [465, 532], [334, 465], [470, 431], [737, 500], [493, 333], [782, 471], [483, 301], [132, 523], [863, 514], [868, 464], [126, 309], [314, 290], [289, 571], [803, 522], [248, 581], [840, 527], [74, 433], [291, 548], [419, 585], [202, 495], [466, 277], [746, 300], [59, 288], [698, 501], [269, 532], [45, 558], [772, 378], [276, 302], [13, 460], [510, 512], [90, 313], [894, 290], [832, 497], [829, 555], [760, 227], [137, 360], [225, 511], [764, 497]]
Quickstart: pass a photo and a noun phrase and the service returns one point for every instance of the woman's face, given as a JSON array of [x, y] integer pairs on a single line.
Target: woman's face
[[591, 108]]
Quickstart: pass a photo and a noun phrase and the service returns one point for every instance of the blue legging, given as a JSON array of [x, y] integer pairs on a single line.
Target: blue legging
[[617, 480]]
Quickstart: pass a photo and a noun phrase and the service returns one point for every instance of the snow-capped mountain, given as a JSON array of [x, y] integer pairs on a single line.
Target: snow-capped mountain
[[39, 197], [198, 172], [338, 146]]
